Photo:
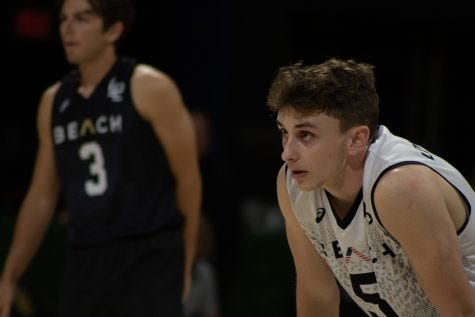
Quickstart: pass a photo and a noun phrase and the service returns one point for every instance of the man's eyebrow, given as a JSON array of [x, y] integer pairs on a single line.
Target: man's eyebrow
[[88, 11], [299, 125], [306, 125]]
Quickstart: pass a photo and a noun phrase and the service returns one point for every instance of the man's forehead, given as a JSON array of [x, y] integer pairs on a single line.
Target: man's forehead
[[293, 115], [81, 7]]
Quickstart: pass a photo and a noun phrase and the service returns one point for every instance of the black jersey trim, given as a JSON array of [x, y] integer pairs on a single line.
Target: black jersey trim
[[467, 203], [345, 222], [469, 211]]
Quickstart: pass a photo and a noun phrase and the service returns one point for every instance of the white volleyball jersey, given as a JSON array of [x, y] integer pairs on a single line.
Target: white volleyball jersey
[[366, 260]]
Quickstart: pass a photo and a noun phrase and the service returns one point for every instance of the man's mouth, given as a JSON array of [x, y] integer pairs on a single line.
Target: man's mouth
[[298, 174]]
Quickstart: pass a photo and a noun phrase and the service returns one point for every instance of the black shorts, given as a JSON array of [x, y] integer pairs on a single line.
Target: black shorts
[[133, 277]]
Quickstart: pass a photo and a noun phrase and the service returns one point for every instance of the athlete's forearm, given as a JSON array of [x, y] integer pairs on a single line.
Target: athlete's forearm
[[309, 305], [34, 217], [189, 203]]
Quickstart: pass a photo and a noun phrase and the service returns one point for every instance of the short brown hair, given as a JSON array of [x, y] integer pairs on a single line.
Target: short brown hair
[[111, 11], [343, 89]]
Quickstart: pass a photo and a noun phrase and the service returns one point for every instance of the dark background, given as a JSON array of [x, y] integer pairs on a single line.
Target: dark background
[[223, 55]]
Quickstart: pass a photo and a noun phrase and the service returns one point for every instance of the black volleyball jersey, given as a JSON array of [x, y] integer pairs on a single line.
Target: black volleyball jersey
[[115, 177]]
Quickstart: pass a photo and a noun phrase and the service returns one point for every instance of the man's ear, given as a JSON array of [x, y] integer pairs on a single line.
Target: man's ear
[[358, 139], [115, 31]]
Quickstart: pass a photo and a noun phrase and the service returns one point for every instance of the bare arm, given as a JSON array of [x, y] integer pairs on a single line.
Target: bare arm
[[317, 291], [417, 207], [159, 102], [36, 210]]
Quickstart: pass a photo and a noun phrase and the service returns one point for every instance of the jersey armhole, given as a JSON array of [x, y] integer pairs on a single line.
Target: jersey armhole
[[373, 189]]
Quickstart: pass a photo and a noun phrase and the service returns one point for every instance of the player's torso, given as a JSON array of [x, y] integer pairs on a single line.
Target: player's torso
[[113, 170], [87, 130], [365, 259]]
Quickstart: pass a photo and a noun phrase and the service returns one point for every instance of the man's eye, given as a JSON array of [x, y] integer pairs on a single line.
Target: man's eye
[[305, 135]]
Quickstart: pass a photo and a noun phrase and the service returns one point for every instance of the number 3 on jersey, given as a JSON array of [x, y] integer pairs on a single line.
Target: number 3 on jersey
[[97, 184]]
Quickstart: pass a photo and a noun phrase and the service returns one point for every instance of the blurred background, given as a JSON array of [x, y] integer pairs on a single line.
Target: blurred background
[[223, 55]]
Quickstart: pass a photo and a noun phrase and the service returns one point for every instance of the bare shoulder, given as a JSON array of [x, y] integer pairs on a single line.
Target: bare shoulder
[[410, 197], [281, 175], [154, 93], [44, 113], [50, 92], [281, 185], [282, 193], [46, 101], [146, 76], [407, 181]]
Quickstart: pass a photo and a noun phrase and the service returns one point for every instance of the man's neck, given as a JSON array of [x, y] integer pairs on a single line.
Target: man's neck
[[344, 190], [93, 71]]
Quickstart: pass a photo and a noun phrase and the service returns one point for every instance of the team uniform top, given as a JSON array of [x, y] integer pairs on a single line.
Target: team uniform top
[[114, 174], [366, 260]]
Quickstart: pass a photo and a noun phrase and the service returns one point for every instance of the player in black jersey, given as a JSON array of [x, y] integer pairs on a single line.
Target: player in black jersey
[[118, 143]]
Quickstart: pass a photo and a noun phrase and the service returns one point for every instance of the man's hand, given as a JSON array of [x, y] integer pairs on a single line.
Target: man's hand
[[7, 297]]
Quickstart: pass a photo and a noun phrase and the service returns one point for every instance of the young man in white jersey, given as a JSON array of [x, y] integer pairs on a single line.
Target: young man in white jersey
[[117, 142], [387, 219]]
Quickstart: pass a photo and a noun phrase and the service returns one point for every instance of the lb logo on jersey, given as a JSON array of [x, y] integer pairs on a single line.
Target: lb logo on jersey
[[320, 214], [115, 90]]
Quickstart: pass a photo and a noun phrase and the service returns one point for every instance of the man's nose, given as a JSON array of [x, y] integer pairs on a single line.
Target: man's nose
[[289, 153]]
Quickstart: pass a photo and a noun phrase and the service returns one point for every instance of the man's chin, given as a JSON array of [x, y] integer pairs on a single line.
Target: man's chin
[[305, 187], [72, 59]]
